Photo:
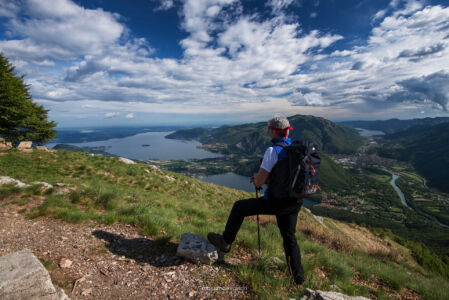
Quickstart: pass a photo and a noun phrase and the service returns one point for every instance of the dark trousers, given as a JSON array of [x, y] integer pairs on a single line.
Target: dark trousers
[[286, 216]]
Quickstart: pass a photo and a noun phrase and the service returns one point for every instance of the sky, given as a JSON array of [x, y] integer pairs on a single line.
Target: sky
[[198, 62]]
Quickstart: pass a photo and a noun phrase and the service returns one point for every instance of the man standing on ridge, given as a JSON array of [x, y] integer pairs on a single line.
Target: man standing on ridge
[[286, 209]]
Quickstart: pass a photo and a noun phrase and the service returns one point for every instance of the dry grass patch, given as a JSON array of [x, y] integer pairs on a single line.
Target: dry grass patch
[[325, 237], [375, 283]]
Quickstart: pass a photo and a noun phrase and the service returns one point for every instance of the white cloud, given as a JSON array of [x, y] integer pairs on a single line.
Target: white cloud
[[8, 9], [277, 6], [232, 62], [60, 30], [111, 114], [164, 4]]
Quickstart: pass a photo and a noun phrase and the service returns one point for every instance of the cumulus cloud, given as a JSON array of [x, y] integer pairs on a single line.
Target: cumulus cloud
[[60, 30], [232, 62], [164, 4], [277, 6], [111, 115], [8, 9], [422, 52], [432, 88]]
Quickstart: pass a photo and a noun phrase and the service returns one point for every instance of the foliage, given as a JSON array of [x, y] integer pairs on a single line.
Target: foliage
[[395, 125], [427, 148], [165, 209], [254, 138], [21, 118], [187, 134]]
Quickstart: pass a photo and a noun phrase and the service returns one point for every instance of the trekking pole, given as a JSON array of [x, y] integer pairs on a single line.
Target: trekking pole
[[258, 225]]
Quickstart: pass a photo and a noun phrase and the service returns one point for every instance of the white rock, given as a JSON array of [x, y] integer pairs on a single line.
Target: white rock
[[65, 190], [22, 276], [65, 263], [126, 161], [322, 295], [196, 248], [155, 168], [25, 145], [5, 145], [169, 178], [45, 185], [17, 183], [42, 148]]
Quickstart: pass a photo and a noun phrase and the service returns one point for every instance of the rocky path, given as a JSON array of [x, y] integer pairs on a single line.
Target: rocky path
[[91, 261]]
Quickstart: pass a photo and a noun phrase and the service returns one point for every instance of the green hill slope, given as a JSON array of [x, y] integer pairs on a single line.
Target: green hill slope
[[253, 137], [395, 125], [165, 205], [427, 148]]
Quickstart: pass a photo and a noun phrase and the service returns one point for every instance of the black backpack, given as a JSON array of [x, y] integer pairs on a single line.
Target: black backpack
[[296, 176]]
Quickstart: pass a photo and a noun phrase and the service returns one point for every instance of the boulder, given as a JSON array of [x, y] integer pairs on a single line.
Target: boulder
[[322, 295], [198, 249], [154, 168], [65, 190], [169, 178], [22, 276], [42, 148], [44, 185], [17, 183], [25, 145], [4, 145], [126, 161]]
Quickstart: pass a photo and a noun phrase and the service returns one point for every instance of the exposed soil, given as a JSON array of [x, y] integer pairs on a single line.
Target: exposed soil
[[112, 262]]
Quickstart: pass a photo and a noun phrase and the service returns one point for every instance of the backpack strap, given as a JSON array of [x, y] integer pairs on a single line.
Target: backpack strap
[[283, 145]]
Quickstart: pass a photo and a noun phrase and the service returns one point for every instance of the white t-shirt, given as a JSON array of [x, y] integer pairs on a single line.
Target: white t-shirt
[[270, 158]]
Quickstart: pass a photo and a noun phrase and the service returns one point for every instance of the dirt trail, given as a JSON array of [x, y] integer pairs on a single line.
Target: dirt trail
[[112, 262]]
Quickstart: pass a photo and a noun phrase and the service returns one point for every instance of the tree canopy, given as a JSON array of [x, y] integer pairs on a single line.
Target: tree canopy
[[21, 119]]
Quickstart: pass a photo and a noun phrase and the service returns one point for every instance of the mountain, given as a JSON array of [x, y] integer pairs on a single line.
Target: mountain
[[394, 125], [253, 138], [188, 134], [141, 211], [66, 135], [427, 148]]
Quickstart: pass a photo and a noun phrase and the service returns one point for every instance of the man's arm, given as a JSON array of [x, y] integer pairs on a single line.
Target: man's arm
[[260, 178]]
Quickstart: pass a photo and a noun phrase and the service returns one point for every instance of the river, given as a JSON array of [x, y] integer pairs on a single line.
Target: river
[[368, 132], [394, 177]]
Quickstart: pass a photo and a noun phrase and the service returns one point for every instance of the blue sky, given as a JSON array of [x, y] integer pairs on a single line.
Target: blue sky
[[192, 62]]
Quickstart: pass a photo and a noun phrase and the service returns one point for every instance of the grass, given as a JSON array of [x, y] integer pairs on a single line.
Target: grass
[[166, 209]]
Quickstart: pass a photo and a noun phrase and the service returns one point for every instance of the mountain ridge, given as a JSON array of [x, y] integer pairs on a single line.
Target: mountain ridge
[[253, 138], [394, 125]]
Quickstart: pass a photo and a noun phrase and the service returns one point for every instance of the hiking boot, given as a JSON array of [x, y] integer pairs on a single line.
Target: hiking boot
[[299, 280], [218, 241]]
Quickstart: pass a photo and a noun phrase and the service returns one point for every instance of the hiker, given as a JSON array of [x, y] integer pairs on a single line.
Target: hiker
[[286, 209]]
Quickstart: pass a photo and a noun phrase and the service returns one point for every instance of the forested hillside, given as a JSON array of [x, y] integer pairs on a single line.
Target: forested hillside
[[253, 138], [427, 148], [394, 125]]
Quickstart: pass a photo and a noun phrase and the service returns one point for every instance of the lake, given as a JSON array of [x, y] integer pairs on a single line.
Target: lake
[[368, 133], [156, 146], [240, 182]]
